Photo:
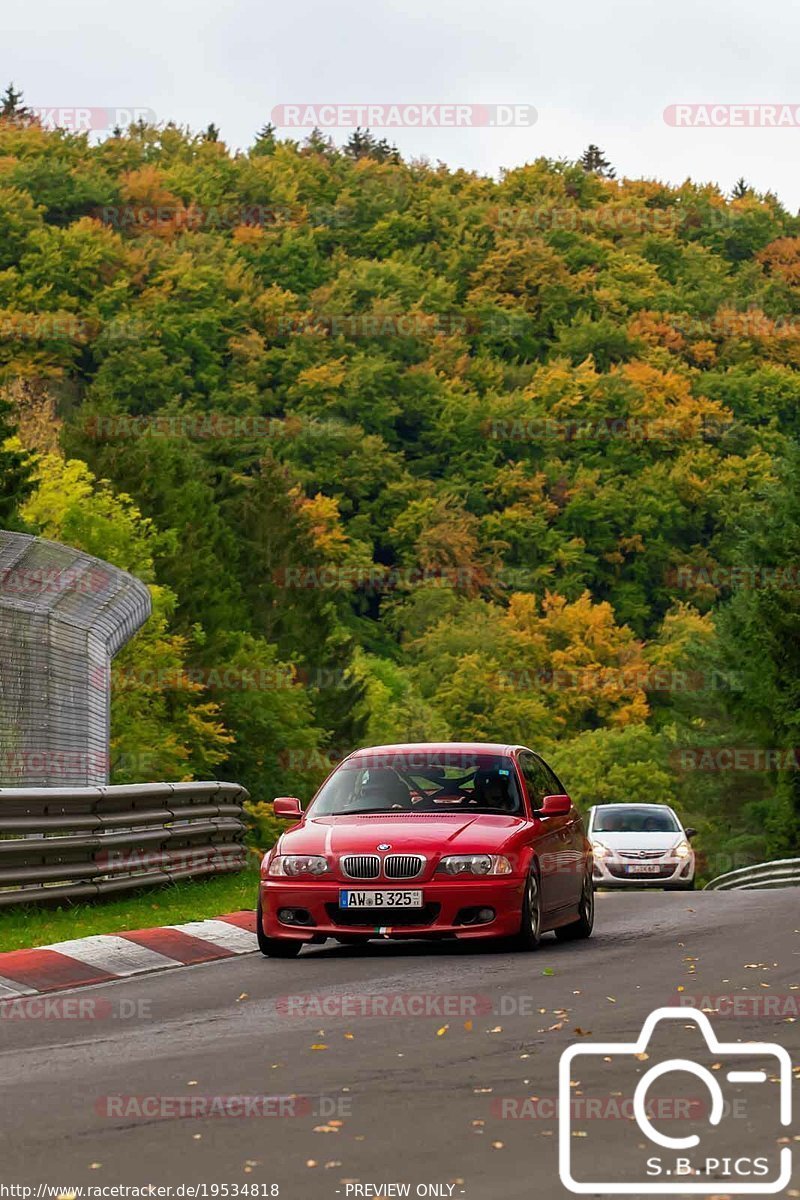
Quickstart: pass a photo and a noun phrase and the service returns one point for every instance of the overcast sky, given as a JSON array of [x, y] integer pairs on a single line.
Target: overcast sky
[[595, 72]]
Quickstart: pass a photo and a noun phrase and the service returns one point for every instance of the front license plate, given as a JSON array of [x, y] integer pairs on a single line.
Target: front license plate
[[352, 899], [645, 869]]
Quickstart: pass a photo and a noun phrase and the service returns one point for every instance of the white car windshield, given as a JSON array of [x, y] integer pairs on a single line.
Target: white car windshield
[[631, 819]]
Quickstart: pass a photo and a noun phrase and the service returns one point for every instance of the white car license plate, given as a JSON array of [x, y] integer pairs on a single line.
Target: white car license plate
[[644, 869], [352, 899]]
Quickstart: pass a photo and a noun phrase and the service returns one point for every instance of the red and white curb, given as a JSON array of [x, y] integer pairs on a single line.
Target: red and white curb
[[108, 956]]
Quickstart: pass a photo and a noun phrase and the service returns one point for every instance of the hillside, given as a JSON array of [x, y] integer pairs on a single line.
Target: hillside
[[406, 453]]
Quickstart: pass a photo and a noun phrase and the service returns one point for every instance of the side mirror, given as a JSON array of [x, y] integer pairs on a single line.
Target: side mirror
[[556, 806], [690, 833], [288, 807]]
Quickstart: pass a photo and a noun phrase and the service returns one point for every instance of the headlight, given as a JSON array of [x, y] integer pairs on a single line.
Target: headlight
[[298, 864], [682, 850], [599, 850], [475, 864]]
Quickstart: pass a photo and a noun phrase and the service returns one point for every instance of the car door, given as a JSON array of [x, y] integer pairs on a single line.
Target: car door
[[572, 842], [549, 842]]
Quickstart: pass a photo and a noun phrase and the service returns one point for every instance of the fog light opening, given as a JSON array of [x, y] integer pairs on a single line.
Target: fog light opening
[[475, 916], [294, 916]]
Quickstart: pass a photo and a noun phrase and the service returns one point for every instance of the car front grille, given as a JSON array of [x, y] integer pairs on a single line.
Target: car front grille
[[664, 872], [402, 866], [361, 866], [387, 917], [641, 855]]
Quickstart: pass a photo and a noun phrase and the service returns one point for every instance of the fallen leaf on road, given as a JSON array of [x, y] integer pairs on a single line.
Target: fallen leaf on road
[[442, 1031], [319, 1046]]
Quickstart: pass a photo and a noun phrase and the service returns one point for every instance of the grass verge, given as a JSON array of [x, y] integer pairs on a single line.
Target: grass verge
[[190, 900]]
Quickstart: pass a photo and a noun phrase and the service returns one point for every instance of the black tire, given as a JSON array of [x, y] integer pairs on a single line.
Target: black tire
[[275, 947], [582, 928], [530, 920]]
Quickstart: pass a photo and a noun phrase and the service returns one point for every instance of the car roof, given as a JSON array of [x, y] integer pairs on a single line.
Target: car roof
[[436, 748], [632, 804]]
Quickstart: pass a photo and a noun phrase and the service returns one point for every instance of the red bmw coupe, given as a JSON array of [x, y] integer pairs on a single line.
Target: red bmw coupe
[[464, 840]]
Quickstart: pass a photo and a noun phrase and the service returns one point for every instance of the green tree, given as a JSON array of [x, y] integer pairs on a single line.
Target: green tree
[[594, 161], [362, 144], [164, 726], [16, 480], [12, 109], [266, 141]]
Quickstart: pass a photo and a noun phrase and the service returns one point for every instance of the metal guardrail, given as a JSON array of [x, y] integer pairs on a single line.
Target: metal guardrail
[[78, 843], [783, 873]]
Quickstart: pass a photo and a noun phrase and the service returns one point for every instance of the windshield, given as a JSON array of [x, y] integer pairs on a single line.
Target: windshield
[[421, 782], [634, 820]]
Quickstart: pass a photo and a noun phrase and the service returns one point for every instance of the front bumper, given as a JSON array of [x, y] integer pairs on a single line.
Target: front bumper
[[614, 873], [443, 915]]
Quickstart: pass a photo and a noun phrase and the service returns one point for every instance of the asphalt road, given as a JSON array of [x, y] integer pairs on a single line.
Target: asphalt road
[[434, 1099]]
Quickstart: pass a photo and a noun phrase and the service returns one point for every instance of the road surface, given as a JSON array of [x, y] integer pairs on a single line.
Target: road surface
[[434, 1101]]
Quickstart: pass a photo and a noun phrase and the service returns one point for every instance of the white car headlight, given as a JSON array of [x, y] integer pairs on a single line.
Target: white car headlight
[[475, 864], [298, 864], [599, 850], [682, 850]]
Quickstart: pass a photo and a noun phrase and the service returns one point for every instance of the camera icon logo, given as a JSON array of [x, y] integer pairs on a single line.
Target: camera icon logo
[[678, 1163]]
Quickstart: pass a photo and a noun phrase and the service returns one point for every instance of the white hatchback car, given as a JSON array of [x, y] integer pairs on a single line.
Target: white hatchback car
[[636, 844]]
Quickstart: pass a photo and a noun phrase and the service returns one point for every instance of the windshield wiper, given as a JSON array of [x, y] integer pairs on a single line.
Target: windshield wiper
[[357, 812]]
